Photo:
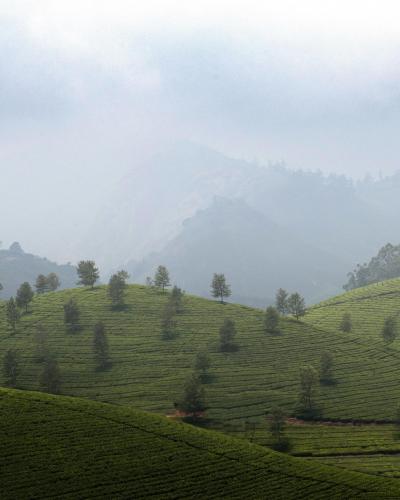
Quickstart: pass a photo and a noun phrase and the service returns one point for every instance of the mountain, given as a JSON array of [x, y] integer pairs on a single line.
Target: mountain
[[147, 209], [16, 266], [256, 255], [66, 447]]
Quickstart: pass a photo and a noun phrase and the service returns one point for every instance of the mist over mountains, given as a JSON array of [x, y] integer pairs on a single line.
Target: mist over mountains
[[198, 211]]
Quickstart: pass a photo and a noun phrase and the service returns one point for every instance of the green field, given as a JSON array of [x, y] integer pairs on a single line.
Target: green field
[[148, 372], [368, 306], [53, 446]]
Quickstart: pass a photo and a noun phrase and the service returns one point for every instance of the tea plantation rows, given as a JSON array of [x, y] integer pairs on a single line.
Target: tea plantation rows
[[148, 372], [72, 448], [368, 306]]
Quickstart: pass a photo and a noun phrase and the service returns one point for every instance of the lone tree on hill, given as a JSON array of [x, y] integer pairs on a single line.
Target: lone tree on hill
[[176, 299], [88, 273], [227, 334], [41, 347], [24, 295], [12, 314], [168, 322], [389, 332], [10, 367], [276, 426], [53, 282], [100, 347], [308, 381], [117, 287], [271, 320], [202, 364], [50, 378], [71, 315], [326, 368], [192, 403], [219, 287], [161, 278], [296, 305], [281, 301], [346, 324], [41, 284]]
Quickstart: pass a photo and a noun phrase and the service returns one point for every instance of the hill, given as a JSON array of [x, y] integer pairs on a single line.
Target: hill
[[65, 447], [148, 372], [368, 306], [16, 266], [257, 256]]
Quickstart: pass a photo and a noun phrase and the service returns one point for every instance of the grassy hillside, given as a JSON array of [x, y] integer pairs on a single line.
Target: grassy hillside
[[368, 306], [148, 373], [72, 448]]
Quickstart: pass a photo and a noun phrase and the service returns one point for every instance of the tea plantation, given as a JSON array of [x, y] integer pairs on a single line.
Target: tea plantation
[[148, 372], [368, 307], [54, 446]]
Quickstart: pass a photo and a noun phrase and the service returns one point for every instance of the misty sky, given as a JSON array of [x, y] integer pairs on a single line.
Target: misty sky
[[88, 88]]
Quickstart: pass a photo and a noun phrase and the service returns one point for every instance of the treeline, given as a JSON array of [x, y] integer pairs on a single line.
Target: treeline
[[385, 265]]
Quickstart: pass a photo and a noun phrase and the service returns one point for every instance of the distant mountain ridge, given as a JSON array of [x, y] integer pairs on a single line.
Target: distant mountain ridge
[[257, 256], [16, 266], [344, 219]]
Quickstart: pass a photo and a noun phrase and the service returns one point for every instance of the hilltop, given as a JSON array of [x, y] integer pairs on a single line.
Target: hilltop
[[17, 266], [149, 372], [60, 446], [368, 306]]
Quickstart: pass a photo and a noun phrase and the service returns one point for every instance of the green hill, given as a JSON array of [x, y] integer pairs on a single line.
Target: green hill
[[368, 306], [148, 373], [71, 448]]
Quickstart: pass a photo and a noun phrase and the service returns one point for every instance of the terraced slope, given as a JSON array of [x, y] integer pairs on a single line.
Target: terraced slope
[[368, 306], [148, 373], [53, 446]]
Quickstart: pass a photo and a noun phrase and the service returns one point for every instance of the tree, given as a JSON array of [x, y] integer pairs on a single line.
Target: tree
[[71, 315], [116, 288], [10, 367], [389, 332], [296, 305], [53, 282], [202, 364], [149, 282], [346, 324], [227, 334], [50, 378], [276, 426], [281, 301], [88, 273], [168, 323], [161, 278], [326, 368], [219, 287], [24, 295], [41, 346], [1, 287], [271, 320], [12, 314], [176, 299], [308, 380], [100, 347], [192, 402], [41, 284]]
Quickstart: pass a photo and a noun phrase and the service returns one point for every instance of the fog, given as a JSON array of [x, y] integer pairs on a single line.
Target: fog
[[91, 90]]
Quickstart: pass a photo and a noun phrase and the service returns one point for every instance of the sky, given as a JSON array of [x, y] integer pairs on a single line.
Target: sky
[[89, 88]]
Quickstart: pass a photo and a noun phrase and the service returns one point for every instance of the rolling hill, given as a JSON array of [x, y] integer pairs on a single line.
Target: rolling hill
[[368, 306], [71, 448], [17, 266], [148, 373]]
